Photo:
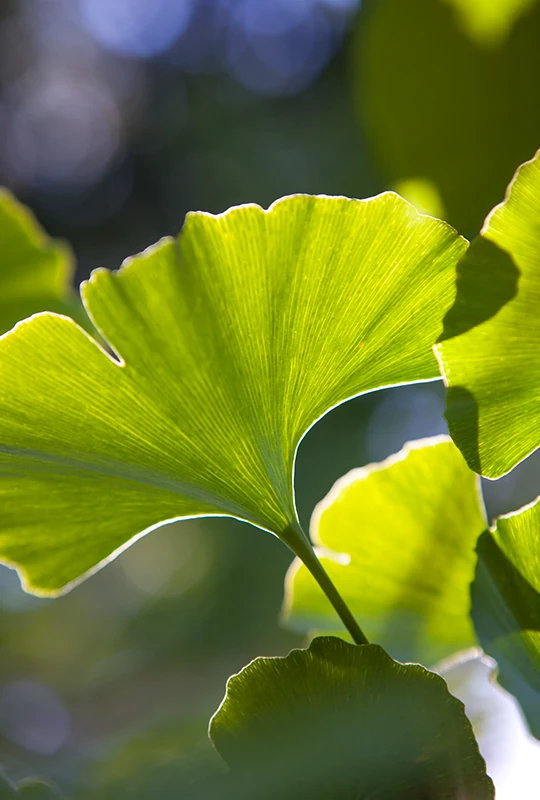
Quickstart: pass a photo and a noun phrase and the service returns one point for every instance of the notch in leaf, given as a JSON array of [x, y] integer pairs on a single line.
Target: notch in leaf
[[229, 343]]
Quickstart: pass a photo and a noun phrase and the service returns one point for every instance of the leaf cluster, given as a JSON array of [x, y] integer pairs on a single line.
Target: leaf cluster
[[206, 360]]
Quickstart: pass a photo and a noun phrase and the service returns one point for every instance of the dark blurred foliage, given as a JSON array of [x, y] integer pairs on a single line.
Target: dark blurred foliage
[[116, 118], [449, 103]]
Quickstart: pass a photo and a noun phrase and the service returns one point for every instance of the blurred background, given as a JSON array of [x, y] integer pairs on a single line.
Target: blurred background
[[116, 118]]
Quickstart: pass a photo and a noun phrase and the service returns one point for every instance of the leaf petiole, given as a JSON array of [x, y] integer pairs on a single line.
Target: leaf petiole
[[304, 551]]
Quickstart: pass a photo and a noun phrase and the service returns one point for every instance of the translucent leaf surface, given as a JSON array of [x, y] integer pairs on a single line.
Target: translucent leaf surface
[[231, 342], [345, 721], [490, 357], [506, 605], [399, 538], [446, 108], [35, 271]]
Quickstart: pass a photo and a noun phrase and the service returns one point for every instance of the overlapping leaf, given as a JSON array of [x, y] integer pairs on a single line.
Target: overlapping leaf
[[231, 342], [506, 605], [490, 357], [399, 539], [345, 721], [35, 271]]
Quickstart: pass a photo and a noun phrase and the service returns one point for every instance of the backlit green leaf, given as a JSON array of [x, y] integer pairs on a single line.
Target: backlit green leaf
[[490, 357], [399, 538], [35, 271], [232, 342], [506, 605], [344, 721], [446, 109]]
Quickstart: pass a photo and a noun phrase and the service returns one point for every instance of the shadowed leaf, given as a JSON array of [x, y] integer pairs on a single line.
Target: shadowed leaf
[[343, 721], [506, 605], [492, 363]]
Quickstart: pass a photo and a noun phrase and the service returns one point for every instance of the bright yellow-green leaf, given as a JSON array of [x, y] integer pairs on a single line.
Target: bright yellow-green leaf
[[345, 722], [35, 271], [506, 605], [446, 109], [489, 21], [490, 357], [400, 539], [231, 342]]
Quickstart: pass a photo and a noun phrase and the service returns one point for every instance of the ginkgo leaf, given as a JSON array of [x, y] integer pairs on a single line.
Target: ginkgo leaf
[[398, 540], [229, 344], [506, 605], [490, 358], [35, 271], [344, 721]]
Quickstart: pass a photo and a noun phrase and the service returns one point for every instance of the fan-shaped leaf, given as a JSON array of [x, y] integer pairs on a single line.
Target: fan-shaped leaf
[[231, 343], [345, 721]]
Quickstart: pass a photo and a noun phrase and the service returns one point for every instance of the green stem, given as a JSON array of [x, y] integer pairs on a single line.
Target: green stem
[[306, 553]]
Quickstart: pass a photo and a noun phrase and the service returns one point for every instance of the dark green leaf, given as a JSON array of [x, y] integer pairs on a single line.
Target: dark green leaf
[[506, 605], [345, 722]]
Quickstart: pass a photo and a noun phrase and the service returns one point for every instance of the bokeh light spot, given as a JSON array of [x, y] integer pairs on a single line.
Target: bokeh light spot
[[273, 17], [65, 130], [32, 716], [136, 27], [285, 63]]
